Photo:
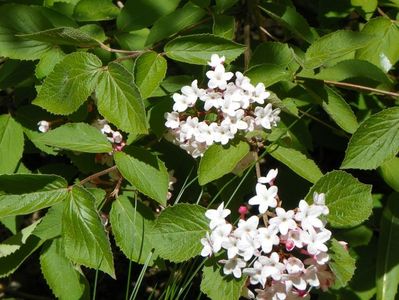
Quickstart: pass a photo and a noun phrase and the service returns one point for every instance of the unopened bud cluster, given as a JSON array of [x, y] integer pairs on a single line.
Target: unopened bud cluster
[[283, 259], [202, 117]]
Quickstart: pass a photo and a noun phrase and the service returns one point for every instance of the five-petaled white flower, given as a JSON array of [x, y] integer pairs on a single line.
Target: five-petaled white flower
[[217, 216], [265, 197]]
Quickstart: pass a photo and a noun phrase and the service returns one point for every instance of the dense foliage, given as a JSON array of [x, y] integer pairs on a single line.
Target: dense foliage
[[130, 129]]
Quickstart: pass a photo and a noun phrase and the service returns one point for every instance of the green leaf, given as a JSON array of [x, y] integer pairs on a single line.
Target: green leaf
[[149, 71], [365, 7], [353, 69], [335, 106], [198, 48], [288, 17], [15, 242], [145, 172], [174, 22], [349, 201], [334, 45], [11, 144], [22, 19], [387, 259], [268, 74], [383, 51], [62, 36], [138, 14], [389, 171], [274, 53], [64, 279], [184, 225], [220, 160], [119, 100], [70, 83], [50, 226], [76, 137], [95, 10], [134, 220], [218, 286], [28, 193], [297, 162], [222, 5], [375, 141], [84, 236], [134, 40], [224, 26], [342, 264], [48, 61]]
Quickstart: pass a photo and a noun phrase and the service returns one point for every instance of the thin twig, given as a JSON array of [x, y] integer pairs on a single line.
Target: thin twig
[[115, 192], [109, 49], [268, 33], [257, 164], [98, 174], [361, 87], [129, 56]]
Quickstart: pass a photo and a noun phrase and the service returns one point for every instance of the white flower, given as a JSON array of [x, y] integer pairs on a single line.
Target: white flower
[[266, 116], [308, 215], [265, 197], [44, 126], [231, 246], [182, 102], [219, 235], [212, 99], [217, 216], [223, 134], [272, 267], [218, 78], [193, 92], [284, 220], [172, 120], [106, 129], [247, 227], [248, 247], [216, 60], [268, 238], [205, 133], [255, 273], [259, 94], [188, 128], [233, 266], [315, 240], [117, 137], [243, 82], [271, 175], [207, 249], [292, 239], [320, 200]]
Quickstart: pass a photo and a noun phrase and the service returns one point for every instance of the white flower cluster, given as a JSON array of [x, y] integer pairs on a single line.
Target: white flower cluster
[[202, 117], [283, 259]]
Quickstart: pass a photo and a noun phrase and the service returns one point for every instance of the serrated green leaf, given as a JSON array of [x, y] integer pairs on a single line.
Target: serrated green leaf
[[76, 137], [15, 242], [389, 171], [28, 193], [218, 286], [224, 26], [297, 162], [11, 144], [11, 223], [149, 71], [383, 51], [50, 226], [64, 279], [220, 160], [289, 18], [83, 234], [342, 264], [70, 83], [387, 259], [334, 45], [374, 142], [349, 201], [119, 100], [365, 7], [274, 53], [198, 48], [138, 14], [62, 36], [145, 172], [184, 225], [95, 10], [134, 220], [269, 74], [24, 19], [174, 22]]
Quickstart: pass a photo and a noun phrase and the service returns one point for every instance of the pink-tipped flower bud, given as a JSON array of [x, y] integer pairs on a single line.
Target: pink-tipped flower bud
[[242, 210]]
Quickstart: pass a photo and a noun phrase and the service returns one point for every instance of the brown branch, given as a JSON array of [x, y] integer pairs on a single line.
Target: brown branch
[[268, 33], [98, 174], [361, 87]]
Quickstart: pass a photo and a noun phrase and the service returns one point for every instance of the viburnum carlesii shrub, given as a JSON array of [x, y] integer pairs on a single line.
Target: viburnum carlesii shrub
[[227, 107], [283, 253]]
